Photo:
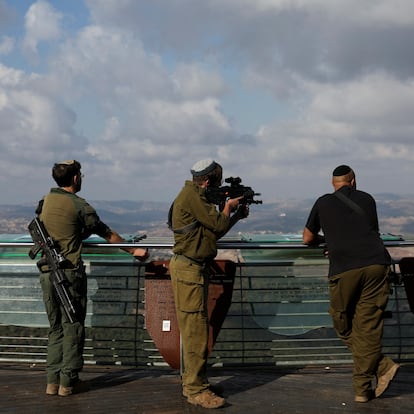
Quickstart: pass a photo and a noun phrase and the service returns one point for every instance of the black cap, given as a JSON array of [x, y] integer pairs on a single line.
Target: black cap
[[341, 170]]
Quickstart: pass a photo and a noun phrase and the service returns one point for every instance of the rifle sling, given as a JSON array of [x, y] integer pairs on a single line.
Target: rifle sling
[[354, 206], [187, 228], [181, 230]]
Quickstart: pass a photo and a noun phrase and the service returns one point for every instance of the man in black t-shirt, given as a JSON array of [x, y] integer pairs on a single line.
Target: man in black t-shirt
[[358, 277]]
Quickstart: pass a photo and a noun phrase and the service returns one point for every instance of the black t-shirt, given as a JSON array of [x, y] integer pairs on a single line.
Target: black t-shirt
[[352, 238]]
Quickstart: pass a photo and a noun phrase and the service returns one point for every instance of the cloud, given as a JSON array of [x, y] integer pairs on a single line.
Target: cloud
[[108, 63], [371, 111], [192, 81], [42, 24], [273, 41], [36, 127], [157, 105], [376, 99], [278, 91]]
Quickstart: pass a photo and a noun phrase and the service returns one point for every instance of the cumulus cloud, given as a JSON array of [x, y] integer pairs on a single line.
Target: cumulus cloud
[[111, 64], [42, 24], [192, 81], [375, 99], [357, 119], [166, 107], [36, 127], [141, 89]]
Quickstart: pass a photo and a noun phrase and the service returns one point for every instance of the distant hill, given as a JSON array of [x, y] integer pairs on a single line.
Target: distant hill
[[396, 215]]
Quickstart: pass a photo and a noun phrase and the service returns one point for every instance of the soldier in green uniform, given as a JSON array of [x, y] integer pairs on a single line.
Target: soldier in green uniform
[[197, 225], [359, 266], [69, 219]]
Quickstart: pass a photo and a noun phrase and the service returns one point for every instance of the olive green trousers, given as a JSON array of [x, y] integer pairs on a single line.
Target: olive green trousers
[[190, 286], [65, 340], [357, 302]]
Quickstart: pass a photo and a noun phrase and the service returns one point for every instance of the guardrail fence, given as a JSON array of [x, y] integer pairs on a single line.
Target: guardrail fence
[[278, 313]]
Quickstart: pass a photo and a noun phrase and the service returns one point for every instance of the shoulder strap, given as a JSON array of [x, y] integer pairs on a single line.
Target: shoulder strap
[[39, 207], [182, 230], [354, 206]]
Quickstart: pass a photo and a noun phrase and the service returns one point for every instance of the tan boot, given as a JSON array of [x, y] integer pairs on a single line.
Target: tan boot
[[78, 387], [52, 389], [215, 388], [65, 391], [385, 380], [206, 399]]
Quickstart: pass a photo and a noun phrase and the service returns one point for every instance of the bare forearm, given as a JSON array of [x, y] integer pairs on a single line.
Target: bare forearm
[[139, 253], [310, 238]]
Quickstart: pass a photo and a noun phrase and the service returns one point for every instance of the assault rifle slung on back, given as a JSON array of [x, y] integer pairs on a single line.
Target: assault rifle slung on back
[[55, 261], [219, 195]]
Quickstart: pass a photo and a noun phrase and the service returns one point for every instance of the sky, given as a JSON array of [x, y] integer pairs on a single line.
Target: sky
[[279, 92]]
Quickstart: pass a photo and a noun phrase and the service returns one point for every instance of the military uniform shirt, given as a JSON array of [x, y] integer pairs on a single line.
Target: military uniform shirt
[[69, 219], [191, 205]]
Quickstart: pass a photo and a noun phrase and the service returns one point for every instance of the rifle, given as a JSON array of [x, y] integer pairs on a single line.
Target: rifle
[[55, 261], [136, 238], [219, 195]]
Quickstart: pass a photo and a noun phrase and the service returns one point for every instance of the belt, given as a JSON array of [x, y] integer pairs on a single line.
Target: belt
[[45, 268]]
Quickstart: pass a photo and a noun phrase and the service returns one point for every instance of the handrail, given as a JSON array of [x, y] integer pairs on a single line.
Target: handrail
[[278, 315], [220, 245]]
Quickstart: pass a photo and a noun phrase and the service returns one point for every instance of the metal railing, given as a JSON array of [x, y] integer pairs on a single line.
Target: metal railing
[[278, 315]]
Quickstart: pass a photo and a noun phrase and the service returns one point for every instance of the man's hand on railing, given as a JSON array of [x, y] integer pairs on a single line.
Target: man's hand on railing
[[141, 254]]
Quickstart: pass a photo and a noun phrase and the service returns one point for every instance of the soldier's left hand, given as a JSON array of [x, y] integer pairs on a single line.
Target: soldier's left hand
[[141, 254]]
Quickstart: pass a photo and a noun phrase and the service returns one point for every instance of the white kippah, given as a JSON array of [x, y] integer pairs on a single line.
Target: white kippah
[[203, 167]]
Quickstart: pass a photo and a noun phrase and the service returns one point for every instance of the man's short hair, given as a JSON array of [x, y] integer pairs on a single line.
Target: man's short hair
[[207, 169], [64, 171]]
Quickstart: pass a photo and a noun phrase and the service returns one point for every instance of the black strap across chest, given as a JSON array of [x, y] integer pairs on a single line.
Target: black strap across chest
[[354, 206], [181, 230]]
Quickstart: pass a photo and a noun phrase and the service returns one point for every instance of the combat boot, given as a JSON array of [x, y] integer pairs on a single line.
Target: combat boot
[[76, 388], [52, 389], [206, 399]]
